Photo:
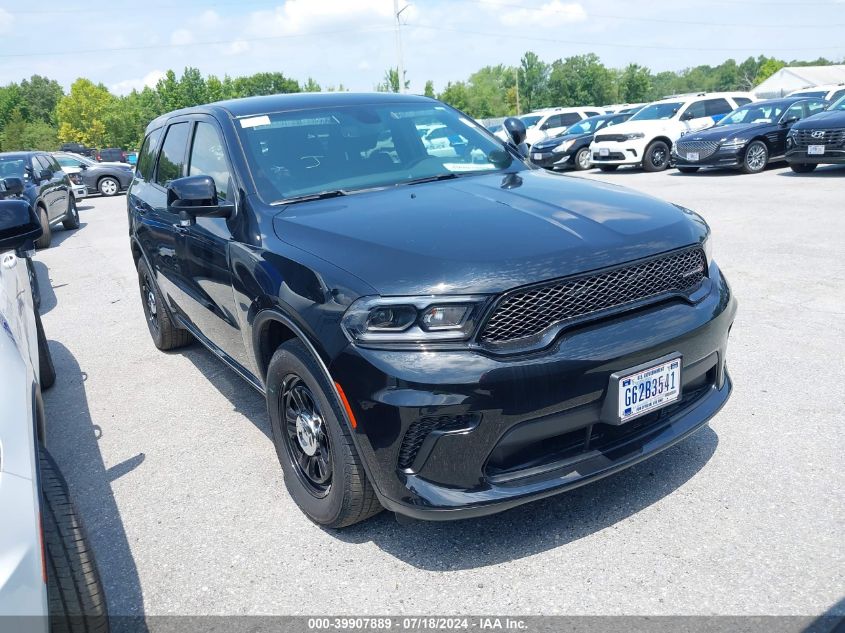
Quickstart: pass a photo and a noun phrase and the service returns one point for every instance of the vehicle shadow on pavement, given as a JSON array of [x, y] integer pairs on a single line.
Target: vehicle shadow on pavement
[[60, 234], [72, 439], [45, 286], [826, 171], [539, 526]]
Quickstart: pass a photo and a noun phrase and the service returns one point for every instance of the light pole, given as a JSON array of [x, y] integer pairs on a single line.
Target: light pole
[[400, 68]]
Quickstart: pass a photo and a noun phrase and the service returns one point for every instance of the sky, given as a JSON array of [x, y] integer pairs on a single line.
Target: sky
[[127, 44]]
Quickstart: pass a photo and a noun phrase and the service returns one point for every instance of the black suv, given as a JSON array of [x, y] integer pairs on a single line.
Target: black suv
[[442, 331], [78, 148], [819, 139], [112, 155], [572, 148], [38, 178], [748, 139]]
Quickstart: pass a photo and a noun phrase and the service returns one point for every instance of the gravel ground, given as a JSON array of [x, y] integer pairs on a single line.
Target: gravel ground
[[169, 459]]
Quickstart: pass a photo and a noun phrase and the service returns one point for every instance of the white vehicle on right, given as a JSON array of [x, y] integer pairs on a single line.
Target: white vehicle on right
[[646, 138], [828, 92]]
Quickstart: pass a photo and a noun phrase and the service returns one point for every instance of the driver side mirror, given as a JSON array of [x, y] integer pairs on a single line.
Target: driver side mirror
[[515, 129], [687, 116], [19, 226], [45, 174], [789, 121], [195, 196], [13, 185]]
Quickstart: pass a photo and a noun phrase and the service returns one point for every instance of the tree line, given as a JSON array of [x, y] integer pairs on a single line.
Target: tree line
[[37, 114]]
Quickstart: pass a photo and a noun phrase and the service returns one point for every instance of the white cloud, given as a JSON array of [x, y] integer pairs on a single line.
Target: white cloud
[[299, 16], [210, 19], [6, 20], [180, 37], [128, 85], [551, 14], [238, 47]]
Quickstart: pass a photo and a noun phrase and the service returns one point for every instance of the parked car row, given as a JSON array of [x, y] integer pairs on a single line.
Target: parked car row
[[108, 154], [730, 130]]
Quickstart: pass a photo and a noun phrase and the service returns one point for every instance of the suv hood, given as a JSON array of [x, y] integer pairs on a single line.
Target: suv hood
[[829, 119], [649, 128], [725, 132], [485, 233]]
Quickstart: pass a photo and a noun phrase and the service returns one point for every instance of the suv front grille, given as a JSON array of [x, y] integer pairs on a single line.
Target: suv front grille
[[525, 313], [616, 138], [705, 149], [830, 137]]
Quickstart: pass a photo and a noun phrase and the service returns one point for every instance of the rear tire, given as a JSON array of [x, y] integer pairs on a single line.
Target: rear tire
[[46, 370], [582, 159], [656, 157], [46, 230], [165, 333], [337, 493], [688, 170], [802, 168], [71, 220], [75, 597], [608, 167]]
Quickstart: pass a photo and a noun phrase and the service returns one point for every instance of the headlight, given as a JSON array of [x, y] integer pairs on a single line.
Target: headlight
[[631, 136], [398, 320], [75, 178], [564, 146], [735, 143]]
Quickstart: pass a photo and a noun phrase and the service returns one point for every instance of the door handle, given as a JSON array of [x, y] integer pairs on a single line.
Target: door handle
[[182, 230]]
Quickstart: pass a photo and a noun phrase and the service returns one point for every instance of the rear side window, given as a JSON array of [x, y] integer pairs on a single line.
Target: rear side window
[[147, 157], [816, 106], [208, 158], [553, 121], [741, 101], [837, 95], [695, 111], [171, 161], [592, 113], [569, 119], [715, 107]]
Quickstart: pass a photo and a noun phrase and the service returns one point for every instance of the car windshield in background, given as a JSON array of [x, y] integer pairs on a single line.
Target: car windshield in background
[[584, 127], [753, 113], [657, 111], [12, 167], [347, 148], [816, 93], [838, 105]]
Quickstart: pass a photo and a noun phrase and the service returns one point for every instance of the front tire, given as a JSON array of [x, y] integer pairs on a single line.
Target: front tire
[[108, 186], [46, 230], [656, 157], [755, 159], [322, 470], [75, 597], [582, 159], [165, 333], [802, 168], [71, 220]]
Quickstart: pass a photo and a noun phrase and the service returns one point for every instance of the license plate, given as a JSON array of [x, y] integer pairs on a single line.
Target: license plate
[[692, 155], [603, 151], [815, 149], [649, 389], [538, 157]]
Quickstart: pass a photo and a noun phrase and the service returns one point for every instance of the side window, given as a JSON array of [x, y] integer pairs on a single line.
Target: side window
[[592, 113], [43, 163], [147, 157], [695, 111], [794, 113], [837, 95], [715, 107], [52, 162], [816, 106], [569, 119], [741, 101], [171, 161], [553, 121], [209, 158]]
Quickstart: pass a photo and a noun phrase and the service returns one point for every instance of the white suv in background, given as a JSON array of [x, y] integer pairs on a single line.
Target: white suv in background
[[646, 138], [828, 92], [550, 122]]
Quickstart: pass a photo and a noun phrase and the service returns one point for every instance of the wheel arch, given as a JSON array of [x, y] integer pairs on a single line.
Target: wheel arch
[[663, 138]]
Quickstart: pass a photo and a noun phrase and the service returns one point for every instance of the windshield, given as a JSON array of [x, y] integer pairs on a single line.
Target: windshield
[[307, 152], [812, 93], [531, 121], [15, 167], [73, 161], [586, 126], [657, 111], [838, 105], [754, 113]]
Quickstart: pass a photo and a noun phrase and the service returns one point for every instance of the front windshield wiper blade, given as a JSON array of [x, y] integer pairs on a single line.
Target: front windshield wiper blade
[[417, 181], [334, 193]]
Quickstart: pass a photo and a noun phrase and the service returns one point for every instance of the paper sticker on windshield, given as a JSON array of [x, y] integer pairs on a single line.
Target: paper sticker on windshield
[[255, 121]]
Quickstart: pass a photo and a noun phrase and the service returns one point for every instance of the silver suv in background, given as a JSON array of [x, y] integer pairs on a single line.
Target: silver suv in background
[[48, 578]]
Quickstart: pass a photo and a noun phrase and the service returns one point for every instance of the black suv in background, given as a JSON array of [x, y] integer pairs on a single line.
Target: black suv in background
[[112, 155], [78, 148], [38, 178], [108, 179], [442, 331], [817, 140], [748, 139], [572, 148]]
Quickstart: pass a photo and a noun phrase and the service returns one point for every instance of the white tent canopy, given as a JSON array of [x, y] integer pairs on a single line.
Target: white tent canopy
[[792, 78]]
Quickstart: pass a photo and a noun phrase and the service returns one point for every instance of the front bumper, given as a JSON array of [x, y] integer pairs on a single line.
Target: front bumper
[[499, 431], [831, 156], [79, 191], [628, 152], [551, 160], [720, 158]]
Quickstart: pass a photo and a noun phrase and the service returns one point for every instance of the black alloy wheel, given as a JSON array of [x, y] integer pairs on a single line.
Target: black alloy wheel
[[656, 157], [306, 439]]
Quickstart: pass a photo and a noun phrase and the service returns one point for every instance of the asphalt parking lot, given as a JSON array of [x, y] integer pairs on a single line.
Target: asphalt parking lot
[[169, 460]]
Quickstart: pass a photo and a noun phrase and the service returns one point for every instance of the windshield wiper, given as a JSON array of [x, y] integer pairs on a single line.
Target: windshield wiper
[[417, 181], [334, 193]]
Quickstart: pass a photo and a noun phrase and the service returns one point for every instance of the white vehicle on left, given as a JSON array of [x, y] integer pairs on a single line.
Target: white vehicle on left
[[48, 578], [550, 122]]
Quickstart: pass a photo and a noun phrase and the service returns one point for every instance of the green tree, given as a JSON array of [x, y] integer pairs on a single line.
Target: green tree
[[768, 68], [14, 132], [391, 81], [581, 80], [456, 95], [41, 96], [428, 91], [263, 84], [311, 86], [533, 81], [83, 112], [634, 84]]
